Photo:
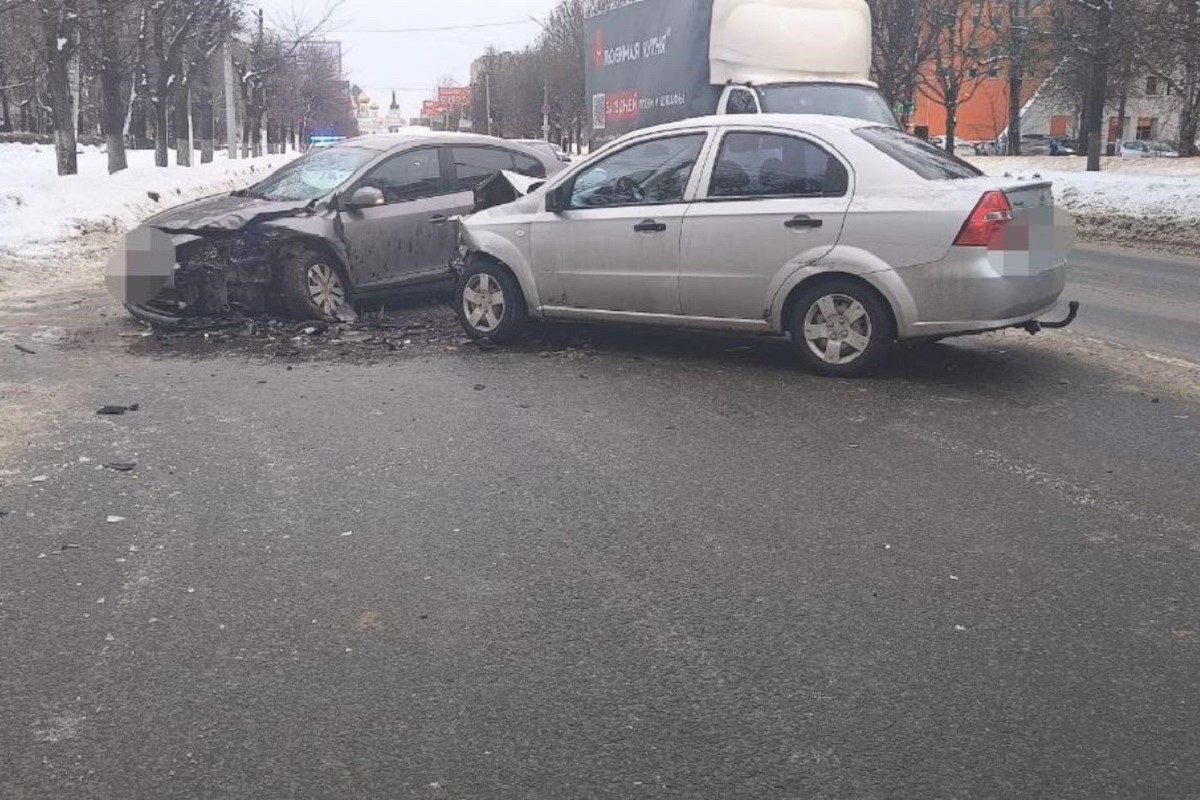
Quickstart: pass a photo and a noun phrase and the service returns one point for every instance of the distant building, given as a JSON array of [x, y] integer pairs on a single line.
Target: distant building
[[366, 111]]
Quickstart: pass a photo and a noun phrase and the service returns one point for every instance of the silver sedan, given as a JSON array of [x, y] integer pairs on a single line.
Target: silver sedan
[[844, 234]]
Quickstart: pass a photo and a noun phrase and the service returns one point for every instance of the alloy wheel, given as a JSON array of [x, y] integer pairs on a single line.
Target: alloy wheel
[[837, 328], [483, 302]]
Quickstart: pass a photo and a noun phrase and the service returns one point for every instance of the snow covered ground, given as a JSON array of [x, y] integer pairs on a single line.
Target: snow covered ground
[[1153, 203], [46, 221]]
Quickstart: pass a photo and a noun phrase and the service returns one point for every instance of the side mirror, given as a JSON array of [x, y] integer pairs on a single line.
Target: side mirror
[[365, 197], [556, 199]]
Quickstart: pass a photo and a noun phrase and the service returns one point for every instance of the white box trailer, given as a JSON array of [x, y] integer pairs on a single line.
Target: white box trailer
[[656, 61]]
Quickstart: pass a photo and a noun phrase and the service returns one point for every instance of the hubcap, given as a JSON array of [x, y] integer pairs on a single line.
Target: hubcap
[[325, 288], [837, 329], [483, 302]]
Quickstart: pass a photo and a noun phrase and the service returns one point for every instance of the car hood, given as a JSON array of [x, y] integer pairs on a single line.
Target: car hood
[[223, 212]]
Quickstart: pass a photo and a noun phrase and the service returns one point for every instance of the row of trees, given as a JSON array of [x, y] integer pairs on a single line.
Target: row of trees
[[1092, 51], [511, 89], [156, 73]]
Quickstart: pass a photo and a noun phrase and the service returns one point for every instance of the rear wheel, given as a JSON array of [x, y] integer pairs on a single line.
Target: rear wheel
[[840, 328], [313, 285], [489, 302]]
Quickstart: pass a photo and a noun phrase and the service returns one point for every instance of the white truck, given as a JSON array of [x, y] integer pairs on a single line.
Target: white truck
[[656, 61]]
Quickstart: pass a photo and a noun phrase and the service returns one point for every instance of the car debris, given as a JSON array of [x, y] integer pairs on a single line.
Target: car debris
[[22, 348], [121, 466], [117, 411]]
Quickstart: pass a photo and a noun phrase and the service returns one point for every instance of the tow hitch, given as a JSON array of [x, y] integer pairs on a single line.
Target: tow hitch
[[1034, 326]]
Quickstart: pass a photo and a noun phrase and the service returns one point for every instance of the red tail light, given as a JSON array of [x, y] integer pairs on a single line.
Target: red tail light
[[990, 216]]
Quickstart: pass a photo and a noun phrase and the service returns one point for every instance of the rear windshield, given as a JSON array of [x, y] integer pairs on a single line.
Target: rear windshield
[[836, 99], [930, 162]]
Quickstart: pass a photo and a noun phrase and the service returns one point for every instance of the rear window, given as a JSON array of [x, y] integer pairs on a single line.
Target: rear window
[[930, 162]]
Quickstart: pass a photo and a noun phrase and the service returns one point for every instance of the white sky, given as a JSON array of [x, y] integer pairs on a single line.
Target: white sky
[[411, 63]]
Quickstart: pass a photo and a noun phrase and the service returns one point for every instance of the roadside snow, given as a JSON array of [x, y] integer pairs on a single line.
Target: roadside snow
[[1153, 203], [44, 218]]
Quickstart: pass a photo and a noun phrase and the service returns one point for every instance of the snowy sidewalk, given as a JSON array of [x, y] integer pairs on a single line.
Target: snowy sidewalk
[[44, 219], [1146, 203]]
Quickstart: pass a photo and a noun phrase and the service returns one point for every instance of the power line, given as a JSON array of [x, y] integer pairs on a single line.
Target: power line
[[436, 30]]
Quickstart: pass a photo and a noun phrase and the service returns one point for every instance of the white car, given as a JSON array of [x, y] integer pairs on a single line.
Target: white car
[[1147, 149], [845, 234]]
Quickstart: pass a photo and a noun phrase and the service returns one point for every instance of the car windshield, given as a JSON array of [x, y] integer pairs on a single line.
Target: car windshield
[[314, 175], [841, 100], [930, 162]]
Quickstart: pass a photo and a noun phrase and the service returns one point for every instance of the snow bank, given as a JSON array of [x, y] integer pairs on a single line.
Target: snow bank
[[1137, 202], [43, 217]]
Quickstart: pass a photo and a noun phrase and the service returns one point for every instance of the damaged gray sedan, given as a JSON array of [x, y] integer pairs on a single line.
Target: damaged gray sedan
[[367, 215]]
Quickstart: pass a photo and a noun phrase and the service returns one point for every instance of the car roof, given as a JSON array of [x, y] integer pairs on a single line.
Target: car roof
[[799, 122], [387, 141]]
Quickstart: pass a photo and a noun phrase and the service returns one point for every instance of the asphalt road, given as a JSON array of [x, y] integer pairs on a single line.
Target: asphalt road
[[1139, 300], [597, 564]]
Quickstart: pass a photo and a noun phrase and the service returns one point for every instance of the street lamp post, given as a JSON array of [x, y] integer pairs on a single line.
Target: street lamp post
[[545, 87]]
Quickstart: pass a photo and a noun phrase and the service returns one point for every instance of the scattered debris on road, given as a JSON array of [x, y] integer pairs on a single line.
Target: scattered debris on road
[[117, 411], [25, 350], [122, 466], [114, 519]]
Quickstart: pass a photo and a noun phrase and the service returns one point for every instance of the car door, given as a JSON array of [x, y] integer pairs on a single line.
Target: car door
[[771, 202], [615, 246], [405, 239], [470, 165]]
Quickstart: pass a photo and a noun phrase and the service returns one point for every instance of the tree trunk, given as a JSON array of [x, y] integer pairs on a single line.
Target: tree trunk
[[161, 132], [183, 123], [59, 80], [1189, 126], [1084, 135], [1098, 87], [1014, 108], [204, 123], [5, 119], [951, 118], [112, 106]]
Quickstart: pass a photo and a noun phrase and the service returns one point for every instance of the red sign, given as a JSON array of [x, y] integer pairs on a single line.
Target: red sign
[[454, 96], [621, 106], [598, 49], [432, 108]]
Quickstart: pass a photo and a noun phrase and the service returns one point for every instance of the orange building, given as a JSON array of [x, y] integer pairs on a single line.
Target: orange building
[[970, 50]]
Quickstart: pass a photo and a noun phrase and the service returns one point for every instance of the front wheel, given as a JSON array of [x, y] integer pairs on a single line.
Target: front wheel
[[841, 328], [489, 302], [312, 285]]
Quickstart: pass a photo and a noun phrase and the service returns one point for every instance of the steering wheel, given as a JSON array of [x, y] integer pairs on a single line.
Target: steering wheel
[[626, 186]]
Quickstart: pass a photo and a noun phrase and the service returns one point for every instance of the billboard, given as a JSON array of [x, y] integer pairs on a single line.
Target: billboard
[[432, 108], [647, 63], [454, 96]]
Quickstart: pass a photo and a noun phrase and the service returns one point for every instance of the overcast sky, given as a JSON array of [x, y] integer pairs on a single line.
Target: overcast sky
[[411, 63]]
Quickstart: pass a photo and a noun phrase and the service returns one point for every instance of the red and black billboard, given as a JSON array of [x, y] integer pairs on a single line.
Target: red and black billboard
[[648, 64]]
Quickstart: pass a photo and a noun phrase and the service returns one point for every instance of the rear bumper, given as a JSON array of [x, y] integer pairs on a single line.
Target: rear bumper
[[972, 291]]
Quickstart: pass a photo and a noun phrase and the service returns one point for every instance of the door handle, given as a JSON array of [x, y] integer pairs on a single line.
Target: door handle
[[801, 221], [438, 219], [650, 226]]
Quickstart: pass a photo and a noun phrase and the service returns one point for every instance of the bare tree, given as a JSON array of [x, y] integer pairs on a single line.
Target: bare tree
[[903, 44], [60, 42], [1173, 57], [564, 53], [1019, 31], [953, 73], [1085, 32]]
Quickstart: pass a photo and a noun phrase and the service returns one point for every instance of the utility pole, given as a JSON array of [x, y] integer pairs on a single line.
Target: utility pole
[[546, 110], [487, 80], [230, 105]]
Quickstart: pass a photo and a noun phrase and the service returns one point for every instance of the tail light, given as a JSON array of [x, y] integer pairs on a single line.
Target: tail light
[[991, 214]]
